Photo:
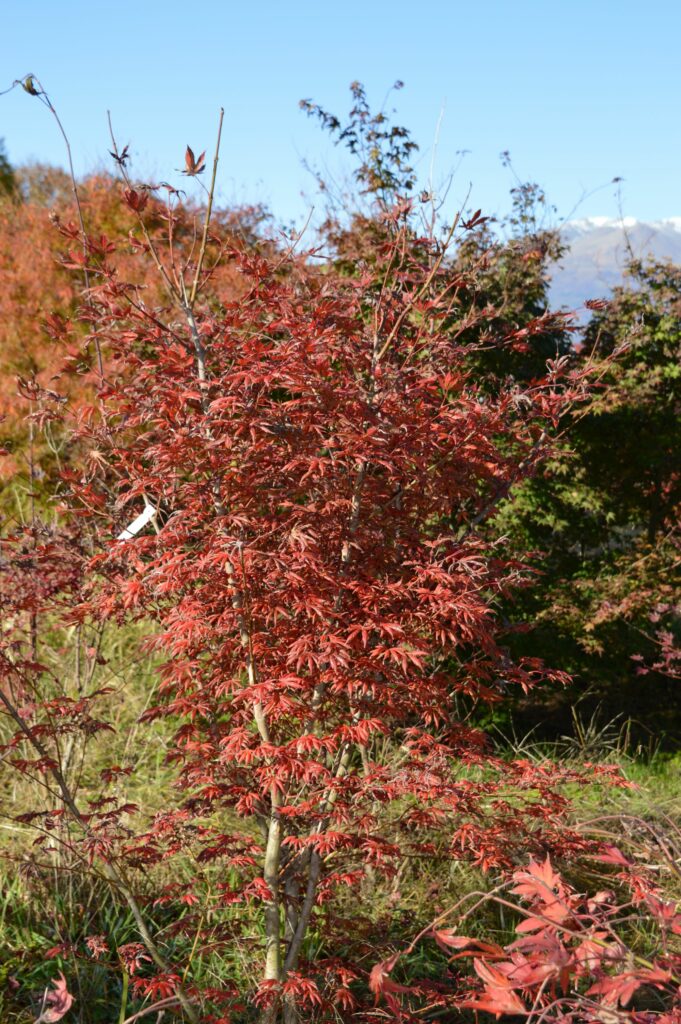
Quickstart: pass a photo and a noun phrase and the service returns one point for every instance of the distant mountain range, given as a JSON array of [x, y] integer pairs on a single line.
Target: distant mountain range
[[598, 252]]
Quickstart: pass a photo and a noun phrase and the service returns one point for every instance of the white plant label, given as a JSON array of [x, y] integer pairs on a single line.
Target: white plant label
[[133, 528]]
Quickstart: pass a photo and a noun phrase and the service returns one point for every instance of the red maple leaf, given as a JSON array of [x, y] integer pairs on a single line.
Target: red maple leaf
[[193, 165], [59, 1002]]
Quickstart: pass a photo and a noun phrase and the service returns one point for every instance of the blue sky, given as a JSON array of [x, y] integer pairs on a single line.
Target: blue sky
[[578, 92]]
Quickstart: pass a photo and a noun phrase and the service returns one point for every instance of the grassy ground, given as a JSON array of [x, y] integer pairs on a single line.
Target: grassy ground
[[64, 903], [50, 899]]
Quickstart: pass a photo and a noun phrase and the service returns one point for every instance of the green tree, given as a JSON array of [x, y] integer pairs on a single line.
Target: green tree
[[603, 515], [509, 267]]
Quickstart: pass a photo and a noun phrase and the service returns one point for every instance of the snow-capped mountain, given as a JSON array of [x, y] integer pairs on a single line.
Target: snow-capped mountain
[[598, 250]]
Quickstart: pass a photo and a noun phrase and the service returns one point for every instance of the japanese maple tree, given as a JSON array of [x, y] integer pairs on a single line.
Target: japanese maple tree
[[317, 456]]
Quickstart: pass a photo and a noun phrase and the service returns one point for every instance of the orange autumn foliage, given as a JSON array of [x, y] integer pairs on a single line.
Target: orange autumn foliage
[[41, 293]]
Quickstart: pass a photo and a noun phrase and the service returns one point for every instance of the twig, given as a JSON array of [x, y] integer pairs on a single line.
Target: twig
[[33, 86], [209, 210]]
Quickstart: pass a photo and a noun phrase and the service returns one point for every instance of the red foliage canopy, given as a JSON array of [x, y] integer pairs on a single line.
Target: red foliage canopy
[[319, 456]]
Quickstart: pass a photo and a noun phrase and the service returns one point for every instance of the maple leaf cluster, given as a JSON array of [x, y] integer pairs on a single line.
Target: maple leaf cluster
[[572, 960]]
